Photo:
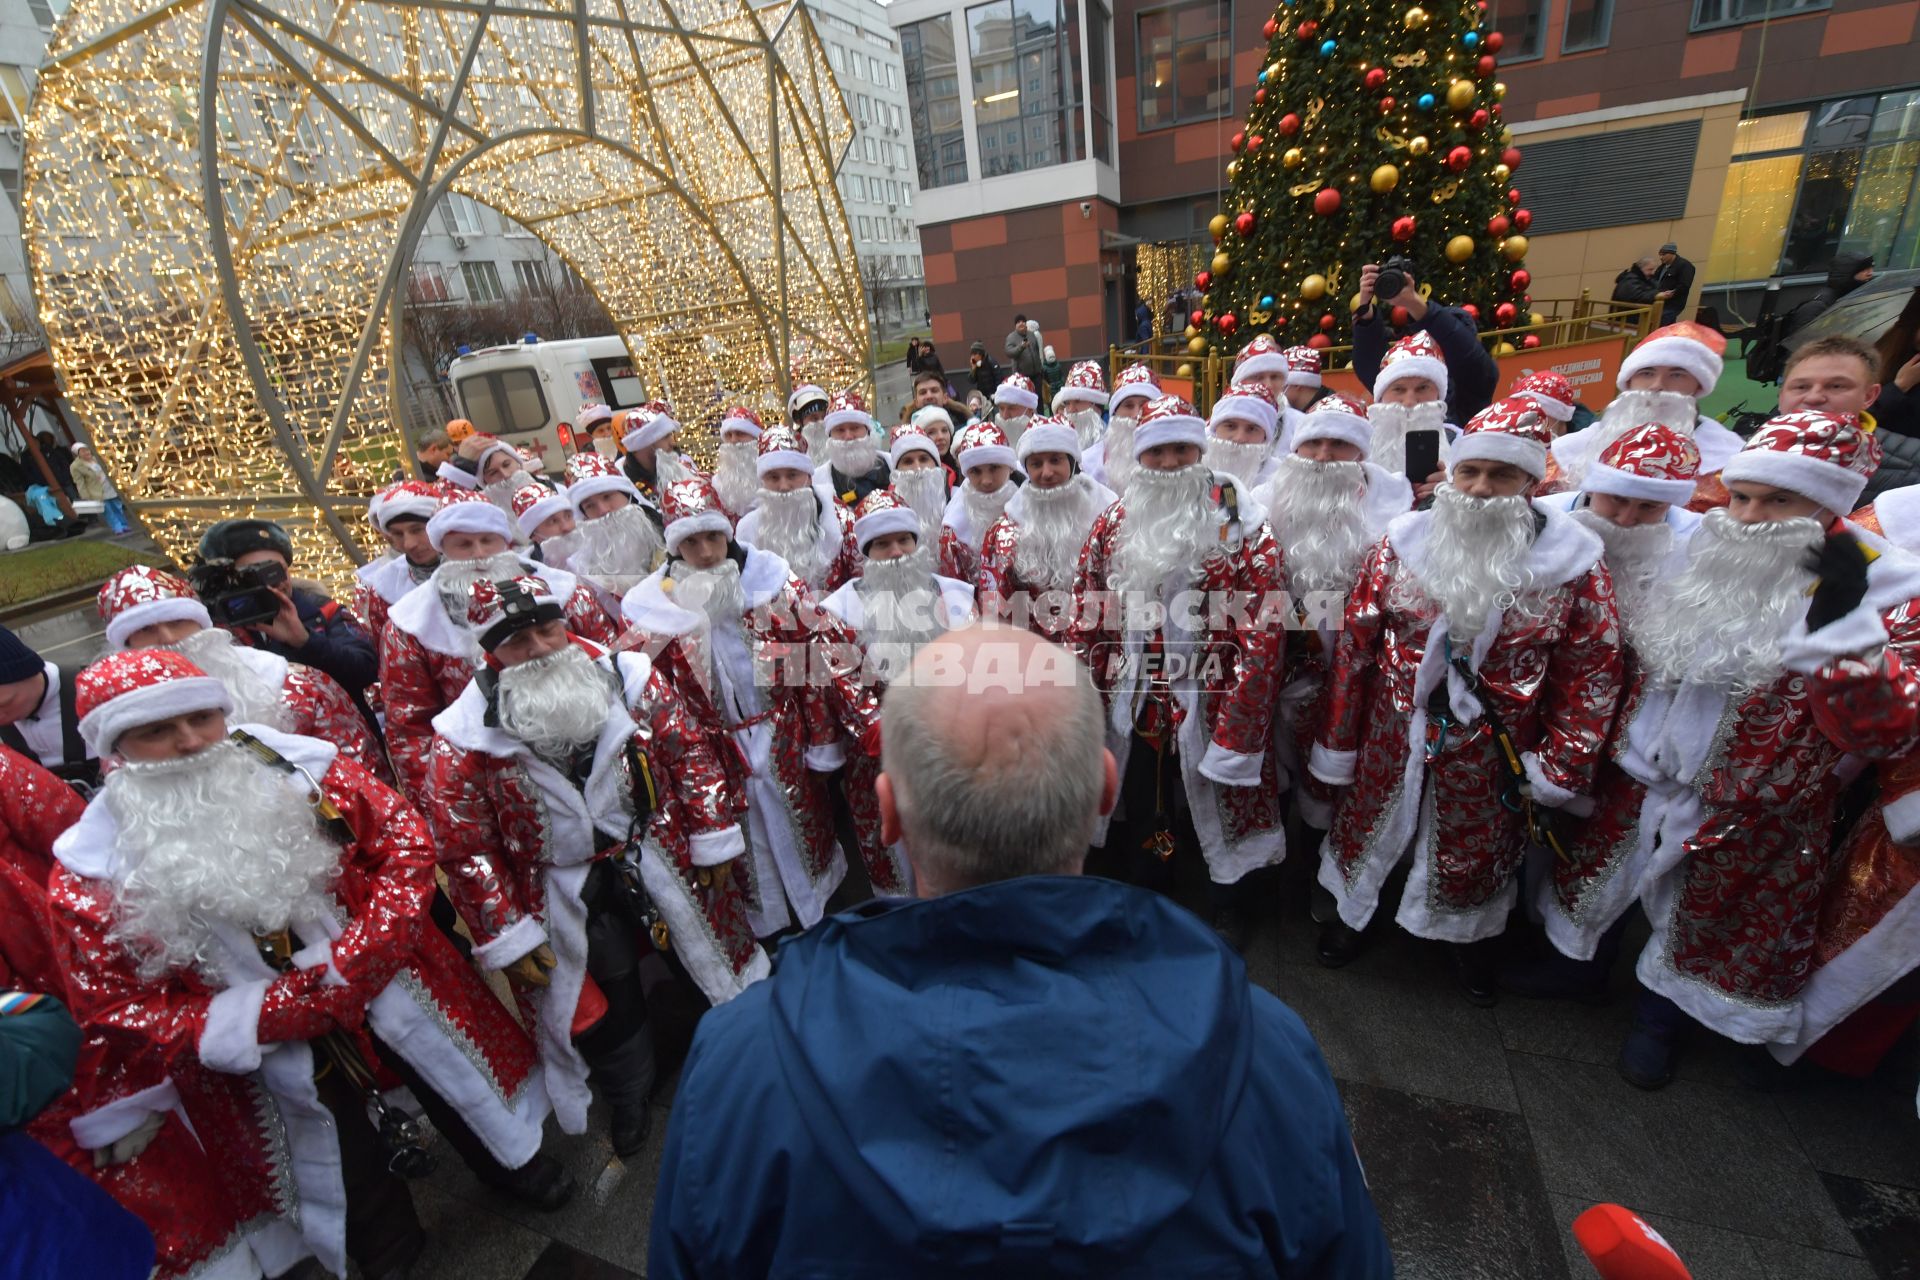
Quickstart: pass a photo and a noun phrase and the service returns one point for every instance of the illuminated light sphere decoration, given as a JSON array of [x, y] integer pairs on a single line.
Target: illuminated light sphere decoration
[[222, 197]]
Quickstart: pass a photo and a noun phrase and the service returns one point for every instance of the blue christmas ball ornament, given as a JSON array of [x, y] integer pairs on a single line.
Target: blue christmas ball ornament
[[1266, 302], [1425, 102], [1470, 39], [1262, 78], [1327, 47]]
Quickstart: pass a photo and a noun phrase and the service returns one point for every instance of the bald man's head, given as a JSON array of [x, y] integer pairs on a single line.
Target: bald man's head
[[994, 757]]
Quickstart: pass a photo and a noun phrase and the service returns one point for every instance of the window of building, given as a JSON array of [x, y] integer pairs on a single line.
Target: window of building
[[16, 96], [1026, 82], [873, 67], [10, 183], [893, 77], [933, 101], [483, 282], [1098, 81], [1524, 25], [42, 14], [1808, 184], [900, 154], [427, 282], [863, 108], [857, 65], [461, 215], [1589, 25], [1184, 63], [837, 56], [1726, 13], [531, 276], [864, 225]]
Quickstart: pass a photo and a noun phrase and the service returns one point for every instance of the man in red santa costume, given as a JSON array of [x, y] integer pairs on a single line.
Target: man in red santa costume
[[1241, 432], [244, 927], [1410, 394], [988, 463], [920, 481], [148, 608], [1788, 642], [532, 802], [651, 437], [855, 465], [1662, 380], [1015, 401], [1555, 397], [400, 512], [547, 524], [1111, 460], [1030, 554], [736, 475], [1291, 377], [1183, 572], [776, 685], [1326, 506], [807, 410], [429, 655], [618, 529], [1082, 401], [1485, 610], [810, 532]]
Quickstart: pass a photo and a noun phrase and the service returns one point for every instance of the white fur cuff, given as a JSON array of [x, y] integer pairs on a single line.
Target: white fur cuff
[[711, 848], [515, 941], [1858, 634], [1902, 816], [230, 1036], [1231, 768], [1335, 768], [317, 956], [106, 1125], [828, 758], [1545, 791]]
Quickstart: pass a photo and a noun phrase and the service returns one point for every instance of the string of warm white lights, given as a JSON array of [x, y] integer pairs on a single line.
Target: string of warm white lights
[[678, 154]]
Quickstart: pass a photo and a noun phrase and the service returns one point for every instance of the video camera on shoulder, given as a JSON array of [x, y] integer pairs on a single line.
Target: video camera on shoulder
[[239, 597], [1393, 277]]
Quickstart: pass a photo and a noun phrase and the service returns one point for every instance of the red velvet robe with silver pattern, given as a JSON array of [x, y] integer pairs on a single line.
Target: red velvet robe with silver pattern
[[190, 1041], [516, 839], [1554, 669], [1741, 805], [833, 529], [1048, 610], [317, 707], [428, 657], [783, 703], [1223, 733]]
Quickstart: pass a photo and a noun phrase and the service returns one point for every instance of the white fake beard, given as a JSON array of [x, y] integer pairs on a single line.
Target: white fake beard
[[925, 491], [254, 700], [984, 508], [1634, 556], [1117, 454], [1477, 551], [214, 837], [559, 549], [1013, 428], [1087, 425], [1237, 459], [500, 492], [1721, 619], [453, 580], [715, 592], [1628, 410], [1170, 525], [736, 477], [669, 466], [622, 543], [1315, 510], [815, 434], [556, 704], [1053, 529], [853, 458], [901, 610], [1391, 422], [790, 529]]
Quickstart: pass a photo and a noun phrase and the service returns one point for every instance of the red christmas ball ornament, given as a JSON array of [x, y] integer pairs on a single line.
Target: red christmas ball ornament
[[1494, 40], [1259, 96], [1197, 319], [1400, 317], [1503, 314], [1473, 312], [1513, 195], [1227, 323], [1496, 110], [1272, 26], [1531, 341], [1376, 79], [1326, 201], [1327, 322], [1459, 158], [1386, 104], [1498, 225], [1511, 158], [1307, 30], [1483, 65], [1245, 223], [1203, 281], [1403, 229], [1253, 143], [1478, 120], [1520, 280], [1289, 125], [1238, 140], [1526, 299], [1522, 219], [1319, 342]]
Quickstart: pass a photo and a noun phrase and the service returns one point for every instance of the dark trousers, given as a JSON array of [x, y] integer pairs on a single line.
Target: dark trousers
[[1153, 799], [619, 1047]]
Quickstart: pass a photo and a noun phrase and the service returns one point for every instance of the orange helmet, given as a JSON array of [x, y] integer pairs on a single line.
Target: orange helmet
[[459, 429]]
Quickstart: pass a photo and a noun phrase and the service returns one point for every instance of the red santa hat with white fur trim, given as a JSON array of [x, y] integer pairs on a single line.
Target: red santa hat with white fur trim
[[1169, 420], [1415, 356], [1553, 393], [1512, 431], [410, 499], [465, 511], [881, 513], [589, 474], [983, 444], [847, 407], [1336, 416], [906, 438], [534, 505], [688, 507], [140, 596], [1135, 382], [1649, 463], [1822, 456], [1250, 402], [1685, 345], [781, 448], [648, 425], [1086, 384], [125, 690], [1262, 355], [1017, 389], [744, 420], [1048, 435], [1303, 367]]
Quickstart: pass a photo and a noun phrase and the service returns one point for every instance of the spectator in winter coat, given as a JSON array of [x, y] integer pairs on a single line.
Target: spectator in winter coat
[[1635, 284], [1029, 1071], [1673, 282], [1847, 272], [986, 375], [90, 478], [1471, 373]]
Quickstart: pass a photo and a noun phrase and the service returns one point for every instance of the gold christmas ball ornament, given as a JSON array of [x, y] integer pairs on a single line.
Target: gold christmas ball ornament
[[1313, 288], [1294, 158], [1353, 303], [1415, 19], [1501, 173], [1503, 348], [1233, 168], [1460, 94], [1515, 248], [1499, 90], [1221, 262], [1274, 72], [1459, 249], [1418, 146], [1191, 333], [1184, 371], [1535, 319], [1196, 346], [1384, 179], [1218, 227]]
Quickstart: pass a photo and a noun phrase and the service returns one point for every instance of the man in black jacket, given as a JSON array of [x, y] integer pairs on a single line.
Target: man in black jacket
[[1673, 282], [1847, 272], [1471, 373], [1635, 284]]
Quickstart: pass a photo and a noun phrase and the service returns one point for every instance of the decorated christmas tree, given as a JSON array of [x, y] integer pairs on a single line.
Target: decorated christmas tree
[[1374, 129]]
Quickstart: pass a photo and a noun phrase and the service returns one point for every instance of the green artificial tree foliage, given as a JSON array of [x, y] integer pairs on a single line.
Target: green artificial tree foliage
[[1373, 129]]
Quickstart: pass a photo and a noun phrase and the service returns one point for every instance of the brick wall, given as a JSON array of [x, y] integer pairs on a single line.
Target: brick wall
[[1043, 263]]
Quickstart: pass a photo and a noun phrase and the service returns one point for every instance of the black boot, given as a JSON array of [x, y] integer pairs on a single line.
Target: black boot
[[1339, 944], [1473, 972], [619, 1053], [1653, 1044], [542, 1182]]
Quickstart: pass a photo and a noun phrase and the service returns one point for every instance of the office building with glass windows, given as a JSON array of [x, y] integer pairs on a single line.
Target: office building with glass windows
[[1071, 152]]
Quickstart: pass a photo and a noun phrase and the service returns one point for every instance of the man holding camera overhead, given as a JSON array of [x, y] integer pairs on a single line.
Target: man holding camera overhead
[[1472, 376]]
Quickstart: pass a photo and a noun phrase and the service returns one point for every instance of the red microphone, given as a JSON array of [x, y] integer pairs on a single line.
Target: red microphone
[[1621, 1246]]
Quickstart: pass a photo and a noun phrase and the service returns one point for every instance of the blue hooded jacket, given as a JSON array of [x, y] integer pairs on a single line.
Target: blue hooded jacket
[[1050, 1076]]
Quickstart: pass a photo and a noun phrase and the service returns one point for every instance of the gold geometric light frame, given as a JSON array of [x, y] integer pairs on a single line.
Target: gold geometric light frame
[[679, 155]]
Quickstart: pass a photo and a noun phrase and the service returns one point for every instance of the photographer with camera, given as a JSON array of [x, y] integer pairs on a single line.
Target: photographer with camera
[[1472, 375], [242, 576]]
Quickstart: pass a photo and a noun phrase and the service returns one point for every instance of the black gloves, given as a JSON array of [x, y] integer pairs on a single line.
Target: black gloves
[[1841, 563]]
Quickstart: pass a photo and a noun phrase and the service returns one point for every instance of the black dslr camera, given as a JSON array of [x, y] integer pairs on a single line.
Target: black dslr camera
[[239, 597], [1392, 280]]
